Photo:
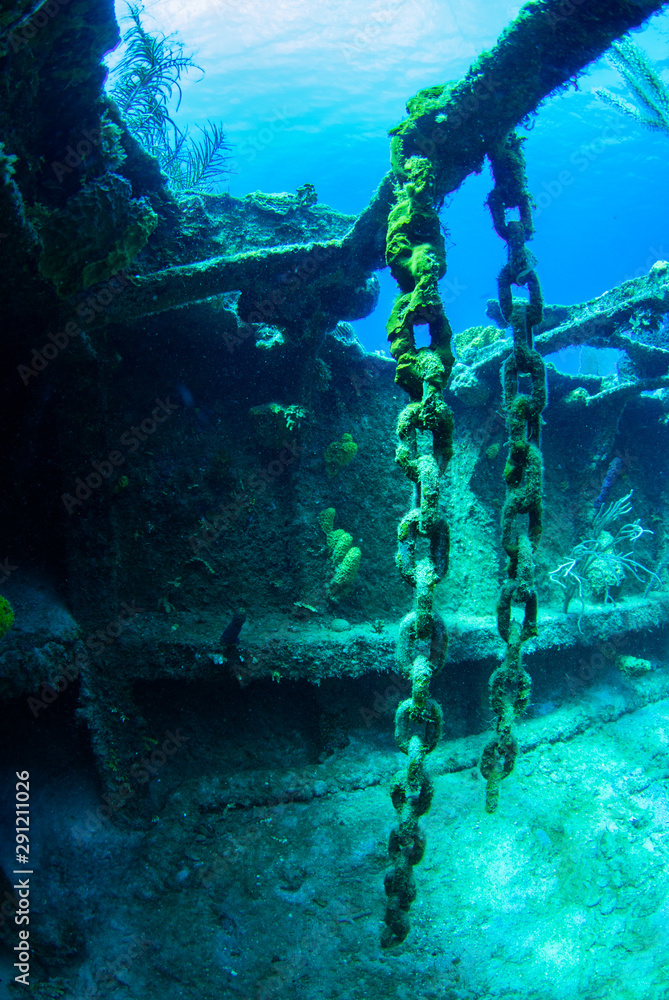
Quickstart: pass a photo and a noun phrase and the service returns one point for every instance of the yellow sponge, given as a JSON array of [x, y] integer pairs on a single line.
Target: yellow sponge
[[344, 555]]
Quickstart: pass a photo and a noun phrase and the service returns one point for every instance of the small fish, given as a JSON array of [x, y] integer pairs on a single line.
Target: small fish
[[613, 473], [186, 395], [230, 635], [201, 415]]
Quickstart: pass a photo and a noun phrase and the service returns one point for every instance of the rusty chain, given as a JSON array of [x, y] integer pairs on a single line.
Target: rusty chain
[[510, 683], [415, 253]]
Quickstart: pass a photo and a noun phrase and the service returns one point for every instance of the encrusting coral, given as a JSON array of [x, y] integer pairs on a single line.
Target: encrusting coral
[[338, 454], [272, 422], [470, 343], [99, 232], [6, 616]]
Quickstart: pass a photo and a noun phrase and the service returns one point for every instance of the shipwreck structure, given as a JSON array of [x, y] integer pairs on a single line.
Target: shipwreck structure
[[188, 414]]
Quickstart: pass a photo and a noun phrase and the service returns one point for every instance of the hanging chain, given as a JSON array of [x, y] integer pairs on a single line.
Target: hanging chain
[[416, 256], [510, 683]]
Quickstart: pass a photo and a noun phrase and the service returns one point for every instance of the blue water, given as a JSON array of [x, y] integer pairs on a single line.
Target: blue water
[[308, 92]]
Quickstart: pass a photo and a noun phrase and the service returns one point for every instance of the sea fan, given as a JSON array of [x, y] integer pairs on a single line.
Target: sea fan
[[648, 88], [204, 160], [142, 85]]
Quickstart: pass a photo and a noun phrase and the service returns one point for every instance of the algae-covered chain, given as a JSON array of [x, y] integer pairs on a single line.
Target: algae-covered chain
[[510, 684], [415, 253]]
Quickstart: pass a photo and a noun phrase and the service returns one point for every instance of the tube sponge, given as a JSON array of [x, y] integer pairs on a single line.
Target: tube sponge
[[344, 555]]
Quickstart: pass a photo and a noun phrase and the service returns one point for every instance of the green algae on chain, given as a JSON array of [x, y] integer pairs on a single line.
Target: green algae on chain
[[453, 124], [423, 174], [510, 684], [416, 256], [542, 50]]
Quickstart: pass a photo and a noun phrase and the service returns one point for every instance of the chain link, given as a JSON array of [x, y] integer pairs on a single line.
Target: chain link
[[522, 514], [415, 253]]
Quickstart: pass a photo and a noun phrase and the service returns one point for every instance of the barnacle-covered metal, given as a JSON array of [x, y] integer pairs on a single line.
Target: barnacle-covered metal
[[522, 514], [415, 253]]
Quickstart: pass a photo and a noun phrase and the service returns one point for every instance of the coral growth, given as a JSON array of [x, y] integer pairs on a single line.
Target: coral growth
[[273, 422], [99, 232], [416, 256], [613, 473], [306, 194], [338, 454], [470, 343], [633, 666], [6, 616]]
